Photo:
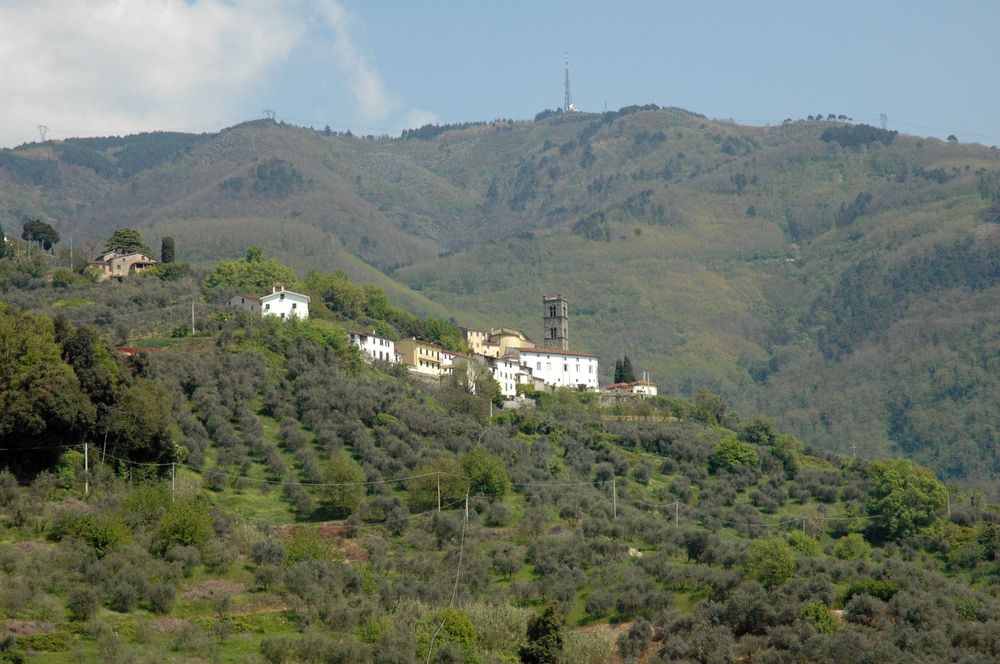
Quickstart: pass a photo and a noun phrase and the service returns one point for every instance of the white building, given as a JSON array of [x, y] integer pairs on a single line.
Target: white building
[[508, 373], [284, 303], [560, 368], [374, 347]]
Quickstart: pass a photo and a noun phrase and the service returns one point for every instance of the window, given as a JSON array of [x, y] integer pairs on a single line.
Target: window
[[267, 307], [282, 296], [590, 369], [578, 368], [294, 305], [565, 367], [282, 314], [552, 311], [538, 365], [553, 333]]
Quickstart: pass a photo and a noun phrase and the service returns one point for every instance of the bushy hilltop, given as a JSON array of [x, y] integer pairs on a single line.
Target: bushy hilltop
[[257, 493], [841, 277]]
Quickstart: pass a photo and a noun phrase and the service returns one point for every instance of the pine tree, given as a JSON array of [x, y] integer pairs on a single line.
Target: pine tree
[[628, 374], [127, 239], [167, 250]]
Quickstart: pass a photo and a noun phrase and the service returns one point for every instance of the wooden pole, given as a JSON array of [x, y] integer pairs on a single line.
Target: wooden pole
[[677, 513], [614, 497], [192, 318], [173, 481], [439, 491], [86, 470]]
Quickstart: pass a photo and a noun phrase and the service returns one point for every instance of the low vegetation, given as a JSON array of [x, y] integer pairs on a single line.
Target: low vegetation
[[254, 492]]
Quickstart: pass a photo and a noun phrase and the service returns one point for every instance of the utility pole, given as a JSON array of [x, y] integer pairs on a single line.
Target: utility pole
[[86, 471], [192, 318], [466, 505], [439, 491], [42, 130], [677, 513], [614, 498], [173, 481], [883, 119]]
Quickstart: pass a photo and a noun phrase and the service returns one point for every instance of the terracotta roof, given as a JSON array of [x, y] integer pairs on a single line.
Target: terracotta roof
[[554, 351]]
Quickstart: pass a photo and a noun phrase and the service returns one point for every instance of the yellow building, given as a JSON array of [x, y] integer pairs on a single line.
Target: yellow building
[[423, 357], [508, 339]]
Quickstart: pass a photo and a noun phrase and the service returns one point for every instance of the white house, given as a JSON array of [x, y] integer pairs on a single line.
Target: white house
[[507, 372], [374, 347], [560, 368], [284, 303]]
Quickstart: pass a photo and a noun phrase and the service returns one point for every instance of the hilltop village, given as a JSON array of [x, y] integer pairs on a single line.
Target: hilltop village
[[510, 356], [513, 359]]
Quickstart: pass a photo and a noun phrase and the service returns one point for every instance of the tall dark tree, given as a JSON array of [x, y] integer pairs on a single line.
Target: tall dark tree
[[545, 642], [618, 371], [167, 249], [36, 230], [3, 243], [628, 374], [127, 239]]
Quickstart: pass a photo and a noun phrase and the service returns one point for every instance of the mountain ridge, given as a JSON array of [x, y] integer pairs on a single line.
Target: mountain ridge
[[711, 252]]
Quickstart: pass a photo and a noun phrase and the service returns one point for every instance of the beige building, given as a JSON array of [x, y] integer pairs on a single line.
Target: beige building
[[426, 358], [639, 388], [119, 263]]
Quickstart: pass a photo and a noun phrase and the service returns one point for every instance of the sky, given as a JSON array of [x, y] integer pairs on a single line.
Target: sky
[[107, 67]]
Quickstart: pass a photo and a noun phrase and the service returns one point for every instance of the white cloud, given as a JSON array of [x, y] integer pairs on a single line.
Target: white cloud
[[99, 66], [418, 118], [119, 66], [374, 102]]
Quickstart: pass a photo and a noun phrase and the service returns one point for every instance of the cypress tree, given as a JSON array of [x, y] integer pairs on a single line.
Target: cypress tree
[[628, 374], [167, 250], [618, 371]]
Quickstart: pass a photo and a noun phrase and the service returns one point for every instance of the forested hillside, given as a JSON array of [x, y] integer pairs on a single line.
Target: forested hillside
[[839, 276], [254, 492]]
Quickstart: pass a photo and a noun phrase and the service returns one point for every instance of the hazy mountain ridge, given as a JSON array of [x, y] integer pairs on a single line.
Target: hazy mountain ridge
[[715, 254]]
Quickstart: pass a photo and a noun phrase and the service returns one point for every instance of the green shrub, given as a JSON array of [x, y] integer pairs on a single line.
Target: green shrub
[[103, 532], [771, 561], [187, 522], [804, 544], [732, 453], [817, 615], [307, 544], [852, 547], [883, 590]]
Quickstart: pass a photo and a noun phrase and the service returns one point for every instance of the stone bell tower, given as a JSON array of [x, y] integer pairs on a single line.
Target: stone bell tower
[[555, 322]]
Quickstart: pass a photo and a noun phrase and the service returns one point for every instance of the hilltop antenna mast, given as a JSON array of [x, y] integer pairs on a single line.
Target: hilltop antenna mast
[[269, 114], [42, 130], [568, 101], [884, 119]]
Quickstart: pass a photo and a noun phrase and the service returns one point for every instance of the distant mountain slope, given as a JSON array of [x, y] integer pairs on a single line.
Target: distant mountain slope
[[841, 277]]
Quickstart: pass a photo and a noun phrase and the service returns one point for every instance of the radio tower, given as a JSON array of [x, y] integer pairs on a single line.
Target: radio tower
[[568, 102]]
